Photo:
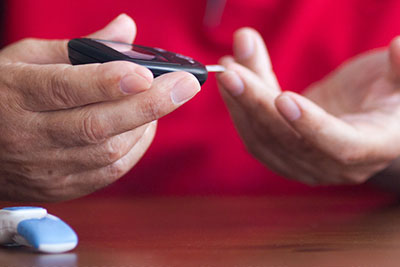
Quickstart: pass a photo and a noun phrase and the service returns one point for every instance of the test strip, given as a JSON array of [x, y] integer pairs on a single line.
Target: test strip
[[215, 68]]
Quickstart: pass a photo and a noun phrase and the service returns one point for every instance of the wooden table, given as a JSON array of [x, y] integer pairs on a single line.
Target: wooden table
[[319, 230]]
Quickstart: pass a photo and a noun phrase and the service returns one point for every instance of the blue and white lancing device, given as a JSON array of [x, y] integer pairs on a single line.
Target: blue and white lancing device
[[34, 227]]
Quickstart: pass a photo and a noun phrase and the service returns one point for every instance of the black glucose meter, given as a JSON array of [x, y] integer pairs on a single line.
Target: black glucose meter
[[157, 60]]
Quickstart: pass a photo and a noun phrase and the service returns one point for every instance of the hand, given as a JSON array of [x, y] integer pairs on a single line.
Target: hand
[[344, 129], [67, 131]]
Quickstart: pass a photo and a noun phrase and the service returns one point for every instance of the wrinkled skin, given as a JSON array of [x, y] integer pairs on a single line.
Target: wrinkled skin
[[67, 131]]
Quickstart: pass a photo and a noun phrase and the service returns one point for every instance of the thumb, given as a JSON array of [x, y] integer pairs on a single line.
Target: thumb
[[121, 29], [40, 51]]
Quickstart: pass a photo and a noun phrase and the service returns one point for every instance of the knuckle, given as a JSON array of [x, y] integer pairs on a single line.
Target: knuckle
[[58, 90], [348, 157], [56, 190], [93, 129], [113, 149], [106, 80], [150, 109], [109, 75]]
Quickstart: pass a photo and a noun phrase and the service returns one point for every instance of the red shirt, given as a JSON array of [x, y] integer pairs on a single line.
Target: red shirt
[[196, 149]]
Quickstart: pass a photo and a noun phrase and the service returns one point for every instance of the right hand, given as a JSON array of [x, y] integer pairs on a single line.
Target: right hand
[[67, 131]]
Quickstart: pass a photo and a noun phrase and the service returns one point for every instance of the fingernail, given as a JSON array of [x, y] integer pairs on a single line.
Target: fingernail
[[151, 124], [289, 108], [134, 83], [246, 49], [184, 90], [145, 73], [232, 82]]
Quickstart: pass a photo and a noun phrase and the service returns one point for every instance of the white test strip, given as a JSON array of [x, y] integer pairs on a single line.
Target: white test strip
[[215, 68]]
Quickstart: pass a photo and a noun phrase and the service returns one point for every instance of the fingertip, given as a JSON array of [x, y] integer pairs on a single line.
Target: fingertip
[[129, 23], [185, 86], [225, 60], [306, 116], [288, 107], [132, 77], [152, 128], [238, 80], [123, 16], [231, 82], [120, 29], [244, 32], [188, 77], [243, 44], [249, 30], [134, 83], [294, 106], [123, 19], [329, 134], [145, 73]]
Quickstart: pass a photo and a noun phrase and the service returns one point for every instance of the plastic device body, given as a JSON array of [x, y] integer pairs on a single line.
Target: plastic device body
[[34, 227], [159, 61]]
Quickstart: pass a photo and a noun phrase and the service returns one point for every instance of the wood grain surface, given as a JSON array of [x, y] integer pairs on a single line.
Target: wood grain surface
[[277, 231]]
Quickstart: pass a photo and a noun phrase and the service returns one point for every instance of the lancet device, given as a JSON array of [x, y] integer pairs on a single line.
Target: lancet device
[[34, 227]]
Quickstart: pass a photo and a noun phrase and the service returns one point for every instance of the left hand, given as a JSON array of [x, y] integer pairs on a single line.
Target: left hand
[[344, 129]]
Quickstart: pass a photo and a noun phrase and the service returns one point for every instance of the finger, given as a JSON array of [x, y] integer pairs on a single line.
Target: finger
[[90, 181], [257, 119], [225, 60], [274, 146], [84, 158], [55, 87], [394, 58], [36, 51], [97, 122], [121, 29], [250, 51], [251, 102], [246, 88], [40, 51], [60, 162], [323, 131]]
